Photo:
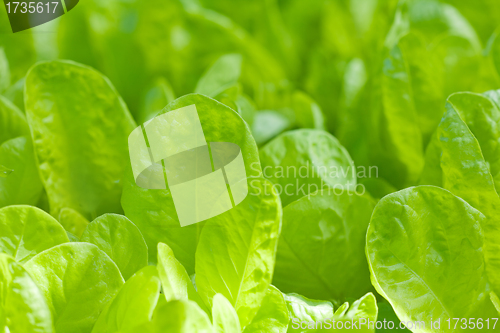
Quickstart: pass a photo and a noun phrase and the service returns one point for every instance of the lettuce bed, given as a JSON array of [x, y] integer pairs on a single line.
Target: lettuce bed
[[370, 137]]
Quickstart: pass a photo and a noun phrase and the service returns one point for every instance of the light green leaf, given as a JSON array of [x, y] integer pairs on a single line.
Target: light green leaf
[[426, 82], [71, 237], [272, 316], [26, 231], [177, 317], [425, 250], [88, 151], [157, 96], [22, 305], [462, 157], [353, 125], [19, 49], [302, 161], [15, 94], [481, 116], [4, 71], [236, 253], [175, 281], [246, 108], [459, 63], [268, 124], [73, 221], [153, 211], [241, 103], [221, 82], [396, 141], [12, 121], [362, 311], [23, 185], [222, 75], [495, 300], [307, 315], [495, 50], [315, 228], [121, 240], [308, 114], [433, 19], [134, 303], [225, 319], [77, 280], [365, 307], [303, 309]]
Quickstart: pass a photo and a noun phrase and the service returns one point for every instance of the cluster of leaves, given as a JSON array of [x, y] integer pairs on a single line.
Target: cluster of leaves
[[408, 87]]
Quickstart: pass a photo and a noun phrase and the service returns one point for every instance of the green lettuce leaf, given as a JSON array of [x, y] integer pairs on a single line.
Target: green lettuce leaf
[[426, 54], [12, 121], [495, 50], [77, 280], [19, 49], [307, 112], [4, 71], [460, 65], [272, 316], [71, 237], [121, 240], [302, 161], [134, 303], [304, 309], [322, 245], [72, 221], [432, 19], [88, 151], [237, 249], [153, 211], [268, 124], [26, 231], [222, 75], [221, 81], [181, 316], [157, 96], [396, 138], [425, 251], [307, 315], [23, 184], [363, 308], [15, 94], [176, 284], [225, 319], [23, 307], [462, 158]]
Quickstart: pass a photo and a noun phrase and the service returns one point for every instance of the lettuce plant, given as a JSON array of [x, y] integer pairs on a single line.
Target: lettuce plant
[[317, 95]]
